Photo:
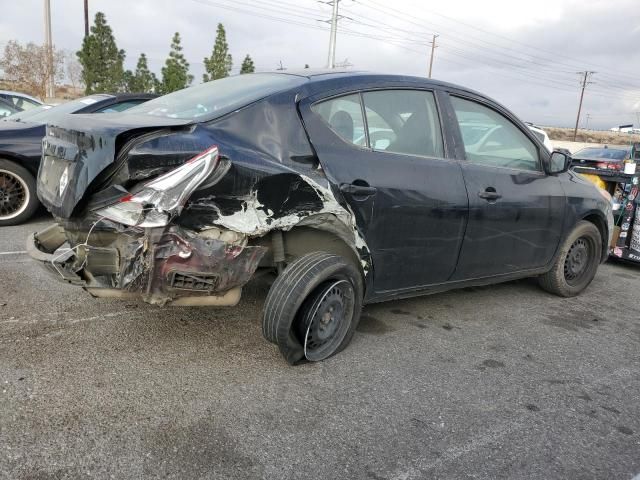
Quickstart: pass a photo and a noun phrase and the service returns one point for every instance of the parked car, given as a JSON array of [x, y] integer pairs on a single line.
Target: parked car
[[541, 134], [24, 115], [21, 149], [601, 158], [6, 109], [20, 101], [184, 199]]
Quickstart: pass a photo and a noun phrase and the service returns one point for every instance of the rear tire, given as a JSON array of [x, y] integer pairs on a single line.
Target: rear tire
[[313, 307], [576, 263], [18, 199]]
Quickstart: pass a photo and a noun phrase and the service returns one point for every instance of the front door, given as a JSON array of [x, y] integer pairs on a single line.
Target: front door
[[516, 210], [384, 151]]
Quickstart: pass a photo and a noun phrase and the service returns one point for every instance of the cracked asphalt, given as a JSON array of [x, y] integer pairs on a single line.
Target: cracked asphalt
[[484, 383]]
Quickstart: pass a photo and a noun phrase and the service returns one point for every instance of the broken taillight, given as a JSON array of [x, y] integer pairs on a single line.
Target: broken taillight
[[162, 198]]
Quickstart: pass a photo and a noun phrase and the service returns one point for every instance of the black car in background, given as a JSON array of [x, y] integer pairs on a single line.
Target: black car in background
[[352, 188], [21, 148], [601, 158]]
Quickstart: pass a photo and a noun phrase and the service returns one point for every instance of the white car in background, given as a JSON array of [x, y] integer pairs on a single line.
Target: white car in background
[[20, 101], [541, 134]]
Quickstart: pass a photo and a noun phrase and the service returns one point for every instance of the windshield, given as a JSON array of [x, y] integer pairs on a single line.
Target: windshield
[[42, 115], [218, 97], [601, 153]]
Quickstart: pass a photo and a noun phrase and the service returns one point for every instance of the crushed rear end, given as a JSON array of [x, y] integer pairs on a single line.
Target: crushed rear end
[[115, 204]]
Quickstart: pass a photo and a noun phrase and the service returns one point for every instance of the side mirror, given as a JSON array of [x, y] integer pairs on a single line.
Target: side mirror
[[559, 162]]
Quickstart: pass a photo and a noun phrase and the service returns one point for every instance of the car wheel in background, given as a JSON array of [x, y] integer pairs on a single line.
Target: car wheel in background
[[313, 307], [18, 199], [577, 262]]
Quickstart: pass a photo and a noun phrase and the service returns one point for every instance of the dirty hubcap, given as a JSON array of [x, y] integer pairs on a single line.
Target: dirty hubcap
[[14, 195], [326, 320], [577, 262]]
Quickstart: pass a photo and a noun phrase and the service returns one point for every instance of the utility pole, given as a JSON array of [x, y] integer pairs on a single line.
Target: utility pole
[[50, 88], [433, 49], [281, 67], [586, 75], [331, 61], [86, 18], [586, 126]]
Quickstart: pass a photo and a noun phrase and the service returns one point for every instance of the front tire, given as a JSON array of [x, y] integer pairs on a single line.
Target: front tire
[[576, 263], [18, 200], [313, 307]]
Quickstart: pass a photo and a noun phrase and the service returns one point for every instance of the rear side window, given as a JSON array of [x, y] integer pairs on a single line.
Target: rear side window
[[491, 139], [120, 107], [404, 121], [344, 117]]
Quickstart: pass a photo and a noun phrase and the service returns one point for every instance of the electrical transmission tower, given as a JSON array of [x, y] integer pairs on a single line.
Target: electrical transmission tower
[[331, 60]]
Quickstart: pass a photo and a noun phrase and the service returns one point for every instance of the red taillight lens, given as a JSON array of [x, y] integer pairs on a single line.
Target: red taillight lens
[[609, 166], [163, 198]]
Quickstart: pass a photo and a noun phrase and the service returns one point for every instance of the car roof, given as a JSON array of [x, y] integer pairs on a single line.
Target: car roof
[[19, 94], [325, 76]]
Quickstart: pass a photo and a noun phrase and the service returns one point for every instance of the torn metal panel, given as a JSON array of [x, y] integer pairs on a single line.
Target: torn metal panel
[[282, 202]]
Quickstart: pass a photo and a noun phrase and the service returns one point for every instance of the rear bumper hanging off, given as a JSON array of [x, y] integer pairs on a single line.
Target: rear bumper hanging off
[[158, 265]]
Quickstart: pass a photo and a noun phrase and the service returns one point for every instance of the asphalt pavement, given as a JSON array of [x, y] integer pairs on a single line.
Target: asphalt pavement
[[482, 383]]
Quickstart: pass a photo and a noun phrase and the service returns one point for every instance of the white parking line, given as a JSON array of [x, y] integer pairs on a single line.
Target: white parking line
[[17, 252]]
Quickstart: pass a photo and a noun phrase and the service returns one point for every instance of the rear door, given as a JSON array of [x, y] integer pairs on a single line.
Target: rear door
[[516, 210], [384, 151]]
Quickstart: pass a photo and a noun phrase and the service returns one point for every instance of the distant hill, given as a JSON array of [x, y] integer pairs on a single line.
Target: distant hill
[[592, 136]]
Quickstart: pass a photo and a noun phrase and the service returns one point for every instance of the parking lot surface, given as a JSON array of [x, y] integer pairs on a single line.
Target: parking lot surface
[[495, 382]]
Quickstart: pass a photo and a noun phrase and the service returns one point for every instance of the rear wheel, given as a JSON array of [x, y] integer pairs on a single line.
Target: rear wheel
[[577, 262], [313, 307], [18, 200]]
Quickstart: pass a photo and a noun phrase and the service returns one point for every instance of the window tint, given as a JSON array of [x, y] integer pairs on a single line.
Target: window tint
[[491, 139], [344, 116], [403, 121]]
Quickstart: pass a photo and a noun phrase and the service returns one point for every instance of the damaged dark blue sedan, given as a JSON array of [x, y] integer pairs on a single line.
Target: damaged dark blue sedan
[[350, 188]]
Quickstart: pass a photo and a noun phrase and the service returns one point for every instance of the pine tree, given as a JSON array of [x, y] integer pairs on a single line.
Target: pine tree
[[247, 65], [220, 62], [102, 62], [143, 80], [175, 73]]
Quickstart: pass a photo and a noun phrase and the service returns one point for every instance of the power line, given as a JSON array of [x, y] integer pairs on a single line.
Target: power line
[[388, 11]]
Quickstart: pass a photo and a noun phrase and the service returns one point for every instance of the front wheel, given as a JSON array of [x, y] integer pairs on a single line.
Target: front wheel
[[313, 307], [18, 200], [577, 262]]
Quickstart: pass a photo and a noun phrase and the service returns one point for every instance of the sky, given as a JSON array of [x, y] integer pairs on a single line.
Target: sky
[[524, 54]]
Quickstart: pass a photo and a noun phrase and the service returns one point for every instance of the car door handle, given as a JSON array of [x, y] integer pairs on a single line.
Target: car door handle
[[358, 190], [489, 194]]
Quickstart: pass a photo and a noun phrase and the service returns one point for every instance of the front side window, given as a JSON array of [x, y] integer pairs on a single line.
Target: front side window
[[491, 139], [344, 117]]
